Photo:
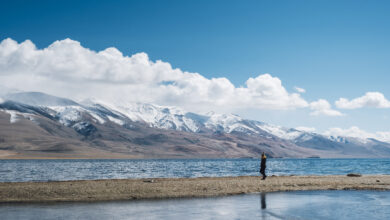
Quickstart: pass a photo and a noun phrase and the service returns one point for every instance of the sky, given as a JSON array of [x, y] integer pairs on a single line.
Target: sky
[[319, 65]]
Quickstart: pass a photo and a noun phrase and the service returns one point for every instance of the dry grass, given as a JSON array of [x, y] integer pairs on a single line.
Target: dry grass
[[130, 189]]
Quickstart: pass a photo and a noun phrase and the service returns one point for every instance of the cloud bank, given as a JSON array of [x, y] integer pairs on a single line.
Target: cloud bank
[[65, 68], [358, 133], [370, 99]]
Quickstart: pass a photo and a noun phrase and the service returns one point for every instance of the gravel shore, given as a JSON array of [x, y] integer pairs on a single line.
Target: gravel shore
[[160, 188]]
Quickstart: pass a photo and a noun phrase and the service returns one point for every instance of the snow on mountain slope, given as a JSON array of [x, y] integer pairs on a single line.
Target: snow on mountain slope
[[281, 132], [115, 120], [178, 119], [15, 115], [154, 115], [67, 114], [97, 118], [219, 122]]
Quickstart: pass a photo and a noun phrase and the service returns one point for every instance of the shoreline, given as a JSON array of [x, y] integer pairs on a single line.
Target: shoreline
[[164, 188]]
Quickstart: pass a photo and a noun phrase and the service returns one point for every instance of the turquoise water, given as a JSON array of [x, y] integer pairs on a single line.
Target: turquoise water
[[52, 170], [354, 205]]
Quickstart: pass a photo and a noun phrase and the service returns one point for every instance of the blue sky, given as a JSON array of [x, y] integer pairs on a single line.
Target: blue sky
[[332, 49]]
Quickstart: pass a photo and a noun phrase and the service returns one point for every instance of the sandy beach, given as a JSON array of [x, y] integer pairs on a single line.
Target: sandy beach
[[159, 188]]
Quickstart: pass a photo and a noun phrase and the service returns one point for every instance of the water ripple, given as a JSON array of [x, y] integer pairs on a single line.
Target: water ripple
[[45, 170]]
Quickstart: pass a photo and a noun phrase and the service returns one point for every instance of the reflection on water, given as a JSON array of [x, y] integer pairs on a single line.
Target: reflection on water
[[267, 214], [269, 206], [263, 202]]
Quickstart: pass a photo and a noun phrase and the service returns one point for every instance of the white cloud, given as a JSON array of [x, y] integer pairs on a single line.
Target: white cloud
[[67, 69], [383, 136], [300, 90], [322, 107], [370, 99], [356, 132], [306, 129]]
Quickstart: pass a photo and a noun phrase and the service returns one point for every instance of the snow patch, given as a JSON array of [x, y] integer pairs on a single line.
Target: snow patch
[[221, 121], [241, 128], [115, 120], [191, 124], [15, 115], [305, 137], [97, 118], [68, 114], [80, 126], [281, 132], [156, 116]]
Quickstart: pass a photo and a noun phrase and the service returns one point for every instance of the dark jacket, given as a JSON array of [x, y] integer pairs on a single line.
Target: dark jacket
[[263, 163]]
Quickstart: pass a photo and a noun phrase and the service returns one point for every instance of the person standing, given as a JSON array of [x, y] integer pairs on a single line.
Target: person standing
[[263, 165]]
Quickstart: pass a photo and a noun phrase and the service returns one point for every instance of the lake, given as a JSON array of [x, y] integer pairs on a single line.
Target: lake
[[278, 205], [53, 170]]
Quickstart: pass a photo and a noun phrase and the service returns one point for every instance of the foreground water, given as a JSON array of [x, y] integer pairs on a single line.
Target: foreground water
[[281, 205], [52, 170]]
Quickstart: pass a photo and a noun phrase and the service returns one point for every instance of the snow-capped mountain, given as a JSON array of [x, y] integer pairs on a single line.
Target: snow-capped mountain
[[94, 119], [69, 112]]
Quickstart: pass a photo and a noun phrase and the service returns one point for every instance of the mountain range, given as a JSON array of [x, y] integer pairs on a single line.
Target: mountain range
[[38, 125]]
